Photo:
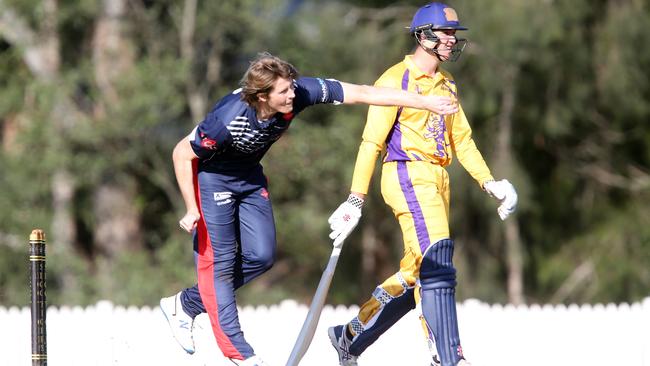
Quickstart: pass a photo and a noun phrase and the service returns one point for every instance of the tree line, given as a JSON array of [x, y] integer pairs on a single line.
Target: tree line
[[94, 95]]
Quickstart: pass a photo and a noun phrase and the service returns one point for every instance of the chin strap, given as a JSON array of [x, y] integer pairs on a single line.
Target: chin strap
[[456, 50], [433, 51]]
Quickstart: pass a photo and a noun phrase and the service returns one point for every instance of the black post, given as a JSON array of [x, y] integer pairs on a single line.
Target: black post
[[39, 303]]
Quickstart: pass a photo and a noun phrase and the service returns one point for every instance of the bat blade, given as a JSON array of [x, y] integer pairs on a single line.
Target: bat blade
[[311, 321]]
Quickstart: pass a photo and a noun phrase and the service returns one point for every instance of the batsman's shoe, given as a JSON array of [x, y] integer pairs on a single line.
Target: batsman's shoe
[[463, 362], [180, 323], [251, 361], [341, 344]]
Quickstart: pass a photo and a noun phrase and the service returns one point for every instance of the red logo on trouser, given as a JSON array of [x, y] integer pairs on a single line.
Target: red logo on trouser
[[265, 193]]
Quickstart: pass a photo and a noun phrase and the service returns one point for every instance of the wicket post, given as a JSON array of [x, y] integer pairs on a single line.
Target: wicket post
[[39, 303]]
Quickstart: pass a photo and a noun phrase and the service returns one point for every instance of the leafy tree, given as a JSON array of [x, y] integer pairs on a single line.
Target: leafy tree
[[94, 95]]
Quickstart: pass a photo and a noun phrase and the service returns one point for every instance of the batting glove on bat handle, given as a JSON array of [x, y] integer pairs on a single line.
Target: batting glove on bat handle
[[345, 219], [504, 192]]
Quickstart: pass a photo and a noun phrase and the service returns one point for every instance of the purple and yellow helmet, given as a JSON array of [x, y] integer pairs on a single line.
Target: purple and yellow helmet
[[435, 16]]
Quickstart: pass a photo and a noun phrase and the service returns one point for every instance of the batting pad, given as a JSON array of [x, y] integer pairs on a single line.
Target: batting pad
[[438, 280]]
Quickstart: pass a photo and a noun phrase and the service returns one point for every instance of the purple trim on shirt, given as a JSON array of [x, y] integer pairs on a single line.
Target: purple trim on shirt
[[394, 140], [414, 206], [405, 80], [450, 89], [394, 150]]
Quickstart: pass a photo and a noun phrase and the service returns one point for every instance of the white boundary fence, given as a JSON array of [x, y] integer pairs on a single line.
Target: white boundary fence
[[492, 335]]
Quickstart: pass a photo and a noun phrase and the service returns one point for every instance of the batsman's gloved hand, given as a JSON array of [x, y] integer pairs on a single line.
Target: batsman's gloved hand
[[505, 193], [345, 219]]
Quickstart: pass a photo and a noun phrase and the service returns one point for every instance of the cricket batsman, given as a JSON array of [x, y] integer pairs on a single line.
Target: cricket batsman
[[414, 183]]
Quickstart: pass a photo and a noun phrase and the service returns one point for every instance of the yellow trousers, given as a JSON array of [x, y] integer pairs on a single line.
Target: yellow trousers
[[418, 193]]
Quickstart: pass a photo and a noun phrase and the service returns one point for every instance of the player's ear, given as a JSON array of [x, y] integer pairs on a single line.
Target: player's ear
[[262, 97]]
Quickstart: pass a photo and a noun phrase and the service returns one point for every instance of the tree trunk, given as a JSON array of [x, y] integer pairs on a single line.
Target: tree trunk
[[196, 100], [504, 162], [113, 55], [64, 227], [9, 133], [117, 226], [118, 223], [197, 92]]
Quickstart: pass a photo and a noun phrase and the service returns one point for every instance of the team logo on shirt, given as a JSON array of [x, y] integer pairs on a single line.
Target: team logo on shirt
[[206, 142], [436, 130]]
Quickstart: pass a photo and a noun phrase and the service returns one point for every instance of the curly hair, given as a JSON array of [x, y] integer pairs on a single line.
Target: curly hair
[[262, 74]]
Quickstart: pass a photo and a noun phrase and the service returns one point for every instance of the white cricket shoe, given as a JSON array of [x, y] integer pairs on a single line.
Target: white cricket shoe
[[341, 344], [180, 323], [463, 362], [251, 361]]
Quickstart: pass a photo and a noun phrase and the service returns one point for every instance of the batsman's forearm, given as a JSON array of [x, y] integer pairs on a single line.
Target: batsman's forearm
[[364, 167], [471, 159], [465, 148]]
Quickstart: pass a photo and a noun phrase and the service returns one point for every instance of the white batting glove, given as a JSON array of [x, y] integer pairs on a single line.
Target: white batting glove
[[505, 193], [345, 219]]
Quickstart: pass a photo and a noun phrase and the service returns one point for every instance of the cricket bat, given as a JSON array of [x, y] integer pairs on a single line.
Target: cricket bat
[[317, 303]]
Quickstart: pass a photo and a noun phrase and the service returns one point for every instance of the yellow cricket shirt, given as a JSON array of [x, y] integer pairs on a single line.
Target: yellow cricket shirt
[[417, 135]]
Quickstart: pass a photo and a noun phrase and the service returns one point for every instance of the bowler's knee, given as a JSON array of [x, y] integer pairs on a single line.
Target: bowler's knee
[[262, 259]]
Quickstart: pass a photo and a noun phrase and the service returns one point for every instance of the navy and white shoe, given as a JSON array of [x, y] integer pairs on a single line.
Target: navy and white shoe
[[180, 323], [341, 344]]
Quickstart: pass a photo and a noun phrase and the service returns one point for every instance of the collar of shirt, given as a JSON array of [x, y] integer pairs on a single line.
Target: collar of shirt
[[417, 74]]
